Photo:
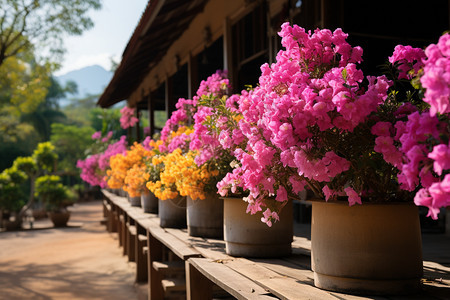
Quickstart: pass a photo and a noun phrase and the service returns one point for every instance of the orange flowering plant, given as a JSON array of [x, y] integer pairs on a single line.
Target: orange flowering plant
[[128, 170]]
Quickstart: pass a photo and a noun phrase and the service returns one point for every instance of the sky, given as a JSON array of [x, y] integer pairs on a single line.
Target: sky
[[113, 26]]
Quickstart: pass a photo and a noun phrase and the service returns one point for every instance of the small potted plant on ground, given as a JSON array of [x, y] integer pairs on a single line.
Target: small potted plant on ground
[[56, 198], [11, 198]]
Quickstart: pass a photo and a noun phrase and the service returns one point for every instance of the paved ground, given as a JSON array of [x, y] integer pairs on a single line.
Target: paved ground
[[82, 261]]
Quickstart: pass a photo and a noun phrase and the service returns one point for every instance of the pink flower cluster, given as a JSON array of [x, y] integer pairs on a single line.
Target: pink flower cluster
[[127, 119], [93, 168], [181, 116], [408, 59], [215, 85], [418, 164], [205, 139], [436, 77], [418, 146]]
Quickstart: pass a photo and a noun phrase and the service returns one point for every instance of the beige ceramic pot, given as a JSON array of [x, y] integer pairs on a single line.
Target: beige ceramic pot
[[205, 217], [172, 212], [366, 249], [149, 202], [245, 235]]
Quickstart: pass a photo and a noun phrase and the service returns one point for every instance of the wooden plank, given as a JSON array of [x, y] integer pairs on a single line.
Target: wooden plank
[[174, 285], [142, 238], [232, 282], [169, 267], [177, 246], [281, 286], [211, 248]]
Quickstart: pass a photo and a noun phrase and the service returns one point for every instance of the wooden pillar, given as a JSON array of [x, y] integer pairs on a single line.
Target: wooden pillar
[[138, 125], [170, 102], [151, 114], [192, 76], [228, 51]]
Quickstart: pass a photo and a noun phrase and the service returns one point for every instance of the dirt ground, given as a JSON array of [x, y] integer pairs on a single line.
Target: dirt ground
[[82, 261]]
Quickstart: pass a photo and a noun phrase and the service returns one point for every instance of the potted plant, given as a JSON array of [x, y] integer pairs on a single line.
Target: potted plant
[[140, 173], [316, 121], [56, 198], [171, 205], [94, 167], [220, 141], [11, 198]]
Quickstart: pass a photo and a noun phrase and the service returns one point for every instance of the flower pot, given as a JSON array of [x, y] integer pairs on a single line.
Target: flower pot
[[11, 223], [245, 235], [205, 217], [135, 201], [172, 212], [59, 218], [122, 193], [366, 249], [149, 202]]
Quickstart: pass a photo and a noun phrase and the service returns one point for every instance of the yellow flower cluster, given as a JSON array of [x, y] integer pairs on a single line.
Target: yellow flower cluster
[[125, 170], [182, 173], [164, 188]]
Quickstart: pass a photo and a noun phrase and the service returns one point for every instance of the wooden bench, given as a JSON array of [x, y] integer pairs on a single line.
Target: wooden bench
[[208, 270]]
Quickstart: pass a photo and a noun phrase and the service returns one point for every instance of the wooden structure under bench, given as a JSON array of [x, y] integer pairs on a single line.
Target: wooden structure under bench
[[178, 266]]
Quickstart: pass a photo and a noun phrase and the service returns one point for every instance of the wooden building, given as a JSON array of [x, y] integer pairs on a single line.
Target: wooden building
[[178, 43]]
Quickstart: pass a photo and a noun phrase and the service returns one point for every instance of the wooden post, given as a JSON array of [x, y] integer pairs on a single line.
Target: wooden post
[[141, 259], [192, 76], [138, 125], [169, 101], [228, 51], [198, 287], [155, 253], [151, 114]]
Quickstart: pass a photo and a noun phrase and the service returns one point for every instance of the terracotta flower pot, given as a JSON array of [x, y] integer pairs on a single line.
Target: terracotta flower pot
[[172, 212], [205, 217], [366, 249], [59, 218], [245, 235]]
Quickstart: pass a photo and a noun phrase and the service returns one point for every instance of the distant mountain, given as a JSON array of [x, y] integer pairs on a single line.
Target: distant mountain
[[90, 80]]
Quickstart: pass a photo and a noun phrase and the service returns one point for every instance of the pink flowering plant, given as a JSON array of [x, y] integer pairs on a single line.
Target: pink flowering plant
[[94, 167], [316, 121], [417, 140], [127, 119], [216, 114]]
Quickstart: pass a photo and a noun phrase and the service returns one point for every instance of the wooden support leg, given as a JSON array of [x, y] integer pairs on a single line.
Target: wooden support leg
[[198, 287], [155, 253], [141, 259], [119, 228], [131, 242]]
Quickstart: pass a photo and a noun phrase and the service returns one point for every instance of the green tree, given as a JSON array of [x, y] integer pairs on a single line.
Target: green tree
[[41, 25], [31, 33], [48, 111], [23, 85], [70, 143]]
